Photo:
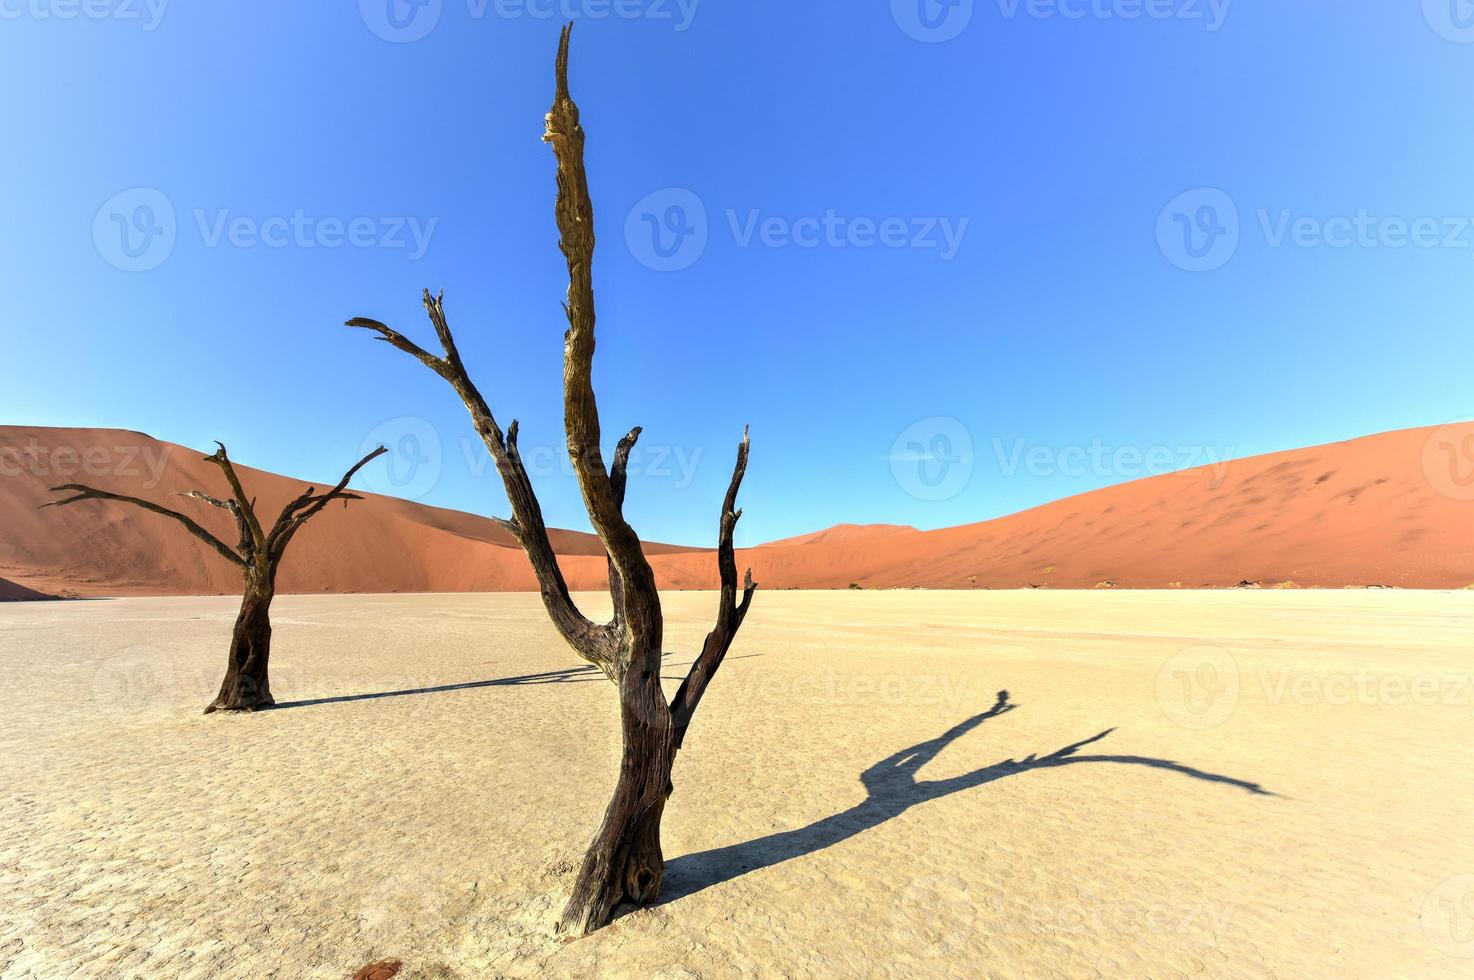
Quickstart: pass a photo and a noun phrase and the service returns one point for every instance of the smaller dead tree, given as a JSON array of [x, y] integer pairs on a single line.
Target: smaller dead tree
[[247, 684]]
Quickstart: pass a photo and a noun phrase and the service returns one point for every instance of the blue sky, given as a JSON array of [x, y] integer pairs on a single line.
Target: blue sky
[[948, 261]]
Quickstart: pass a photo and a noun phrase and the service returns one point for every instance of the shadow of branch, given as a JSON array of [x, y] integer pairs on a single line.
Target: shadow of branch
[[571, 675], [892, 788]]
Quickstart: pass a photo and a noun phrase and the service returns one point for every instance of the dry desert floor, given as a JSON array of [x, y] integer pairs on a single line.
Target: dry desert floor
[[1239, 784]]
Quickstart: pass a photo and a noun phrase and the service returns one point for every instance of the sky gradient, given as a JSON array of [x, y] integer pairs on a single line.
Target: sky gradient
[[949, 261]]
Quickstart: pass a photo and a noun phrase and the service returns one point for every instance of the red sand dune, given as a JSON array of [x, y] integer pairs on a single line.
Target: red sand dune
[[10, 592], [1391, 509]]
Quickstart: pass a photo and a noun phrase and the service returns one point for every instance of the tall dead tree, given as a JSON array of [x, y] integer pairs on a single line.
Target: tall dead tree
[[624, 862], [247, 684]]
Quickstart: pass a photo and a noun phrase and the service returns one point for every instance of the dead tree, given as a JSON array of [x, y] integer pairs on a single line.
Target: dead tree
[[624, 862], [247, 684]]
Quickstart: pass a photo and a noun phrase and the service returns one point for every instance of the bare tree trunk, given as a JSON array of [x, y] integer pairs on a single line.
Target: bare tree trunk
[[624, 862], [247, 684]]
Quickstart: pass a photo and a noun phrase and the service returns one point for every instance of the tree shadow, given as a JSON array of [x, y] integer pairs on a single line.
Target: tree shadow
[[892, 788], [687, 663], [571, 675]]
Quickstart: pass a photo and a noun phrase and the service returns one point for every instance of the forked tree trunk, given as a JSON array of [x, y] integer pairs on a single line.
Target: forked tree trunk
[[624, 861], [247, 684]]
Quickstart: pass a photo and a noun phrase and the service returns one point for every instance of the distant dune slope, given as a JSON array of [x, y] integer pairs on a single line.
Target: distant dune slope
[[379, 544], [1379, 510], [10, 592]]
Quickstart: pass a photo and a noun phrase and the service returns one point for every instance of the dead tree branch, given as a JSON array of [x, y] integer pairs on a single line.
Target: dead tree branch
[[730, 611], [592, 642], [92, 493]]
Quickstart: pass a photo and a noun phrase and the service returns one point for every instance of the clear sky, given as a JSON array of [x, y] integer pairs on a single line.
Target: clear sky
[[948, 260]]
